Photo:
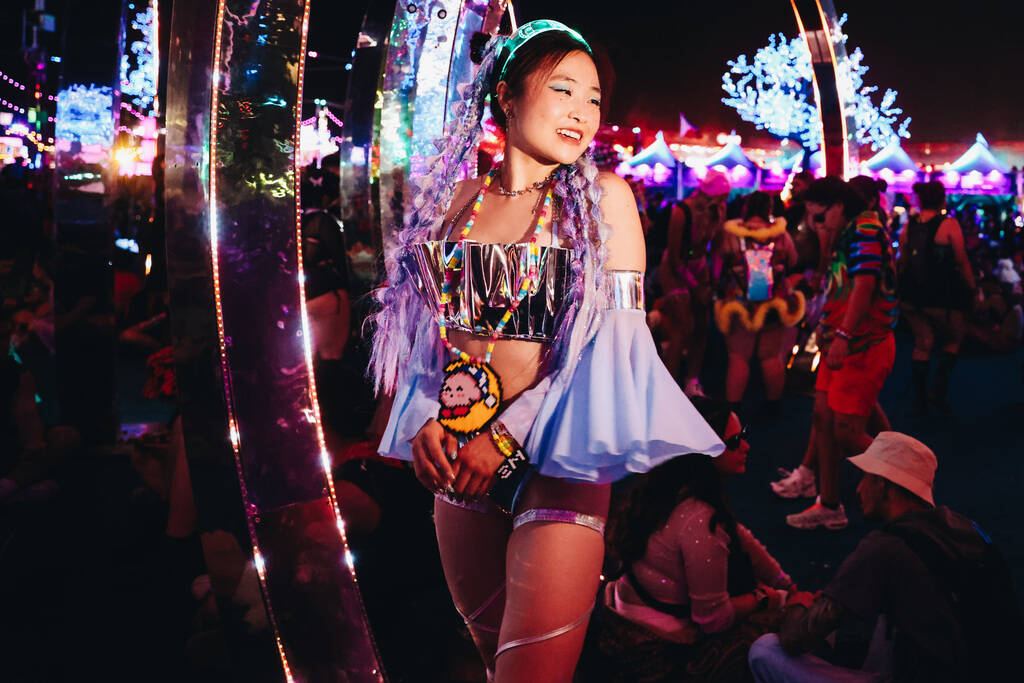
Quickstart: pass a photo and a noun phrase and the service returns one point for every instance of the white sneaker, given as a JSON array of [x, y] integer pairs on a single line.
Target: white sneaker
[[796, 484], [693, 388], [819, 515]]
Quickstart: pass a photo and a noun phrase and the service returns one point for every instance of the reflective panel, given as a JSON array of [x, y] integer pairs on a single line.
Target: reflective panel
[[357, 134], [271, 417], [427, 58], [220, 515]]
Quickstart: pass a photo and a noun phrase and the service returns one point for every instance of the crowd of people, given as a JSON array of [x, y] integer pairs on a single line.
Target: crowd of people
[[684, 590], [686, 605]]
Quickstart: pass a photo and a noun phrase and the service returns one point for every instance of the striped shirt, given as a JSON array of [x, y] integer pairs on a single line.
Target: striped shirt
[[862, 249]]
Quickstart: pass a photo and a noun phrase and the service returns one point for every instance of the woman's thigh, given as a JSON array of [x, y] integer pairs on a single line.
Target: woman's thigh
[[949, 322], [741, 340], [920, 326], [553, 573], [769, 341], [472, 546]]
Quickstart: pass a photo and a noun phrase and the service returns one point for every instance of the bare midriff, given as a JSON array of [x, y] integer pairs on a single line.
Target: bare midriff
[[517, 362]]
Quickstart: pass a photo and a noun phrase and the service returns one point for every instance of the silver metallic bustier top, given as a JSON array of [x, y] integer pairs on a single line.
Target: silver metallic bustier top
[[490, 278]]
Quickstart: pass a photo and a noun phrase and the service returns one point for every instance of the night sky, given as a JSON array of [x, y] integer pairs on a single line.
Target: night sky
[[958, 70], [957, 67]]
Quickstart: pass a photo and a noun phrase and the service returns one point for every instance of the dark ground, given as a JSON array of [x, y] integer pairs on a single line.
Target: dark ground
[[91, 589]]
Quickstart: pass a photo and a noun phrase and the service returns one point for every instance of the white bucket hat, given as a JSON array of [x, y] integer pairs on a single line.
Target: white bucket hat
[[903, 460]]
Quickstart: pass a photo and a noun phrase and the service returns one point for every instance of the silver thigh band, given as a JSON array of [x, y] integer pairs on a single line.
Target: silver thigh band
[[554, 515], [471, 620], [482, 506], [518, 642]]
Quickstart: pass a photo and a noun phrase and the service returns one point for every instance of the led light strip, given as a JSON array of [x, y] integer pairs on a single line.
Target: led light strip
[[8, 79], [12, 106], [155, 105], [21, 86], [233, 433], [136, 114], [325, 457], [332, 117]]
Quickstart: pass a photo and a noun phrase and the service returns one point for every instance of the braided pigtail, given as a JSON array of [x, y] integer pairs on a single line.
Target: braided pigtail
[[403, 322], [579, 197]]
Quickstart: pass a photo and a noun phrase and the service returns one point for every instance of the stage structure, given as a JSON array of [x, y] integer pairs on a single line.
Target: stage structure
[[242, 347], [815, 19]]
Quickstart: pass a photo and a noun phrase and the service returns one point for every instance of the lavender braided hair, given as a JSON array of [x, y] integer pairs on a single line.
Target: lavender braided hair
[[405, 331]]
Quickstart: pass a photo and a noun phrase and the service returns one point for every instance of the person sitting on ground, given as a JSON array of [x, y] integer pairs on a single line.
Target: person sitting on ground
[[997, 323], [30, 454], [933, 585], [696, 586]]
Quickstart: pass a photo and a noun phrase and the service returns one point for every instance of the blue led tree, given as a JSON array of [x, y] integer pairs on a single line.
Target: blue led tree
[[139, 61], [774, 91]]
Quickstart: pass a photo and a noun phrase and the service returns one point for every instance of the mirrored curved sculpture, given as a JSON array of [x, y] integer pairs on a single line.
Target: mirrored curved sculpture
[[815, 19], [427, 59], [233, 203]]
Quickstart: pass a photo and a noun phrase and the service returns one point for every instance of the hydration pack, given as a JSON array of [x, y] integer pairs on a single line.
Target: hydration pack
[[760, 276]]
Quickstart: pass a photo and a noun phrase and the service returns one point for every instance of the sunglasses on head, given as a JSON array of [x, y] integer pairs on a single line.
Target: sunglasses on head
[[734, 441]]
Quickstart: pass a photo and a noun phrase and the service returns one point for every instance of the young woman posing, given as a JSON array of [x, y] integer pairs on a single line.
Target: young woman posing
[[513, 335]]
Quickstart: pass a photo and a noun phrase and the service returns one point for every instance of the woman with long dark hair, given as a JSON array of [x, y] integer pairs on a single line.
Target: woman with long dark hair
[[696, 587], [513, 335]]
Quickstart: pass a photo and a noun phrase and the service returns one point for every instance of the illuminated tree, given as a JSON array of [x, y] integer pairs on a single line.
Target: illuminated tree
[[774, 91], [139, 62]]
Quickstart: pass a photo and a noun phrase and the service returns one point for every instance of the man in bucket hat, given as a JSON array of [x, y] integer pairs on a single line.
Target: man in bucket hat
[[931, 584]]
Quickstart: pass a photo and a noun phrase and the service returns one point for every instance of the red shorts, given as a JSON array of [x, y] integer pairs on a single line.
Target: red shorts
[[854, 388]]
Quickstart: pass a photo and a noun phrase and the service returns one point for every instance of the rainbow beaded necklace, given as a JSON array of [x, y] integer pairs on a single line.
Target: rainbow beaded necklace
[[471, 390]]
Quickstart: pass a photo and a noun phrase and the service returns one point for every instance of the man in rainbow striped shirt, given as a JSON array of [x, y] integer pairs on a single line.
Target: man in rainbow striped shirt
[[856, 337]]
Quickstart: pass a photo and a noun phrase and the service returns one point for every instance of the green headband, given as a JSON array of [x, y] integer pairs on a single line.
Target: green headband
[[535, 28]]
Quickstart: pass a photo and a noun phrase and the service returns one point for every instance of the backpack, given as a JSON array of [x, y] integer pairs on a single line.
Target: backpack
[[760, 277], [980, 595]]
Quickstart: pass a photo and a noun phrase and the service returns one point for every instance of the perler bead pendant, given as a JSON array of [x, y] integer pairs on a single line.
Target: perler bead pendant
[[470, 397]]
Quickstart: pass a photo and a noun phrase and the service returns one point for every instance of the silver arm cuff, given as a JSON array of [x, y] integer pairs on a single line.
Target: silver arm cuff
[[625, 289]]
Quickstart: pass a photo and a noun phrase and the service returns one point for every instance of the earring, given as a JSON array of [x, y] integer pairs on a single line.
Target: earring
[[508, 114]]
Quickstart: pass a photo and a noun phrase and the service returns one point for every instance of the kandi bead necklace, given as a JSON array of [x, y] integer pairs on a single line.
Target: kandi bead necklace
[[471, 391]]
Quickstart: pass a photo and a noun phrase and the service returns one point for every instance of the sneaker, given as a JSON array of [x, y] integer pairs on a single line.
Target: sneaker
[[796, 484], [693, 388], [818, 515]]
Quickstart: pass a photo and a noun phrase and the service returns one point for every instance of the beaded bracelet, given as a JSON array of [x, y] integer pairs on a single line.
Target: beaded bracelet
[[503, 439], [510, 474]]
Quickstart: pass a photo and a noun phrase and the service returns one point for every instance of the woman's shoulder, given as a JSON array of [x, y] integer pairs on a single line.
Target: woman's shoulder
[[615, 186], [692, 511], [467, 187], [948, 226], [463, 192], [619, 212]]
